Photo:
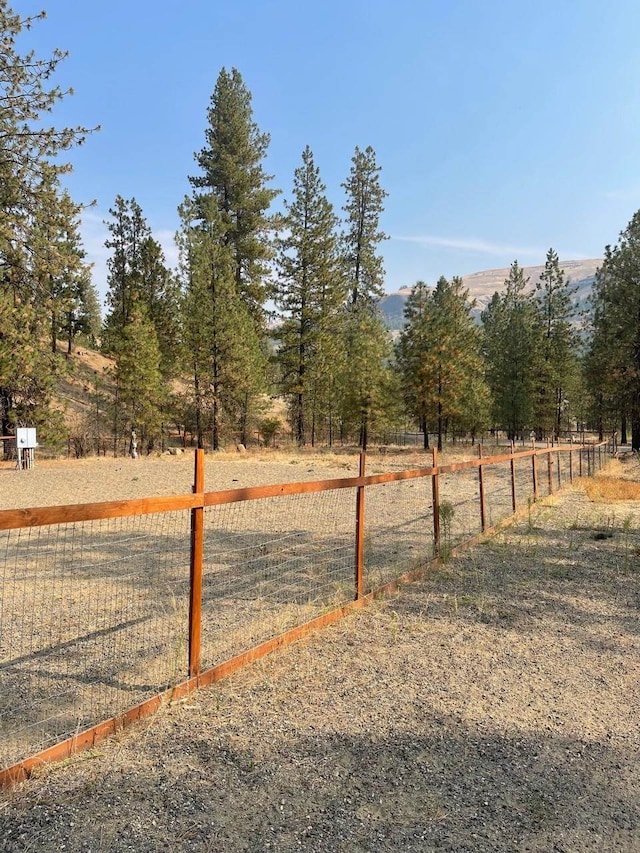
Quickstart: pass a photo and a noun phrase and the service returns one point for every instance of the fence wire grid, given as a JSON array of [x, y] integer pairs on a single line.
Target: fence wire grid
[[94, 615], [93, 619]]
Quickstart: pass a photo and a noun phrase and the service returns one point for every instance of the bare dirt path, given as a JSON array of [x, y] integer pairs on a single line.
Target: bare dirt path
[[491, 707]]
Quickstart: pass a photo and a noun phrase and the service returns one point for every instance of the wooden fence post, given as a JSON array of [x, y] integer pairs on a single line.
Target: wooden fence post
[[483, 506], [514, 502], [559, 470], [197, 550], [359, 566], [435, 487]]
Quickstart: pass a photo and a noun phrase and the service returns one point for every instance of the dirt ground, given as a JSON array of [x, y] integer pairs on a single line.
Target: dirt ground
[[491, 707]]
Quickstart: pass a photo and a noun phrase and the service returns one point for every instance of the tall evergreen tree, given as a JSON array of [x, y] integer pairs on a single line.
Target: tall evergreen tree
[[141, 391], [232, 177], [362, 236], [367, 344], [310, 295], [411, 350], [367, 384], [31, 206], [558, 361], [221, 344], [138, 276], [511, 346], [615, 344], [438, 354], [62, 278], [604, 376]]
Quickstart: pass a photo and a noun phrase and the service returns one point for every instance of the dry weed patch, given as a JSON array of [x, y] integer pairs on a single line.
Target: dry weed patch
[[607, 489]]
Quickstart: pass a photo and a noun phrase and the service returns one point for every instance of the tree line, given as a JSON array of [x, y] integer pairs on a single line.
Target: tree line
[[282, 304]]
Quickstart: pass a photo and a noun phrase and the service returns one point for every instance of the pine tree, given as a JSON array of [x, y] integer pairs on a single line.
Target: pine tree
[[232, 177], [310, 295], [138, 276], [367, 374], [410, 352], [558, 362], [365, 204], [141, 391], [221, 344], [367, 385], [32, 209], [512, 347], [61, 275], [82, 311], [615, 343], [604, 376], [128, 231], [438, 354]]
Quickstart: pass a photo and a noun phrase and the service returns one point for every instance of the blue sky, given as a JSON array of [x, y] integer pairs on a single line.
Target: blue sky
[[502, 128]]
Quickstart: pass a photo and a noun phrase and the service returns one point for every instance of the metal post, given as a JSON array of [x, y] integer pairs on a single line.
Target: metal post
[[359, 564], [534, 466], [197, 551]]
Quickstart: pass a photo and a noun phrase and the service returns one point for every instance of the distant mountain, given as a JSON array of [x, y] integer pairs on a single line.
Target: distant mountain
[[482, 286]]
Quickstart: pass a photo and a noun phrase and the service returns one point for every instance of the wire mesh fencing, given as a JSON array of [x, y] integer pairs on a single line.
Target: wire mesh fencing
[[93, 618], [399, 529], [99, 615], [459, 506], [272, 564], [498, 492]]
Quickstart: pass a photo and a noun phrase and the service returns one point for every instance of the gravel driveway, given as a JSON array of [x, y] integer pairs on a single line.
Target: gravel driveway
[[491, 707]]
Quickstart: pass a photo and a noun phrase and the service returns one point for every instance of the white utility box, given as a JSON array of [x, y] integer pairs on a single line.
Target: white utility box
[[26, 443]]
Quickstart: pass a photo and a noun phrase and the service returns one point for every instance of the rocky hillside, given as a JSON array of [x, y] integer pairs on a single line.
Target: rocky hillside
[[482, 286]]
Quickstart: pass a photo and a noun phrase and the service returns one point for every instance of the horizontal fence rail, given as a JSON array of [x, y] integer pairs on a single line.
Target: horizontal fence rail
[[109, 609]]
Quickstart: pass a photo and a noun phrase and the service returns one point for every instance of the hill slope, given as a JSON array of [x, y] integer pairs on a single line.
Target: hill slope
[[482, 285]]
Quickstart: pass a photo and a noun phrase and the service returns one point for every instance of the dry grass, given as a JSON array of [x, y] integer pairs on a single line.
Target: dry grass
[[616, 483], [612, 489]]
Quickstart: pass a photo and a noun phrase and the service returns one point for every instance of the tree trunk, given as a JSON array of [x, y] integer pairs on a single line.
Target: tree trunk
[[115, 423], [635, 421], [425, 433], [6, 404], [244, 420], [69, 333], [54, 326], [364, 432], [215, 430], [300, 419], [196, 384]]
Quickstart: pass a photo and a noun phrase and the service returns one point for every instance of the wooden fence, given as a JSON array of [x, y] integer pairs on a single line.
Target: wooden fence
[[51, 620]]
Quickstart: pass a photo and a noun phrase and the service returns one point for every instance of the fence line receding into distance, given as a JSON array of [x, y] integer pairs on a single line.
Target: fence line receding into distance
[[109, 609]]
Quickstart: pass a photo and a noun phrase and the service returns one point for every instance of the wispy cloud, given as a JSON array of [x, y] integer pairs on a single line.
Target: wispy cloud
[[485, 247], [472, 244]]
